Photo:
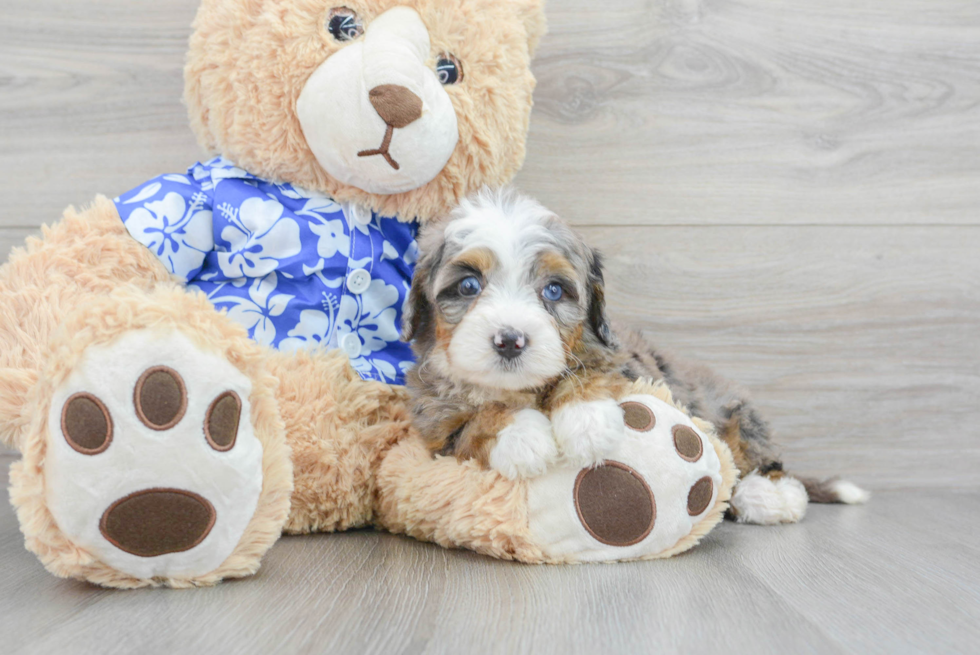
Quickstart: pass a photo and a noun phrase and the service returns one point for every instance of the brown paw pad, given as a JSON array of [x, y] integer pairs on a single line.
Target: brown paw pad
[[156, 522], [221, 422], [638, 416], [699, 497], [615, 504], [688, 443], [160, 398], [86, 424]]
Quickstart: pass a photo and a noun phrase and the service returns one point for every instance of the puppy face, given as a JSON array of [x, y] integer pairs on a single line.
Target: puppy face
[[506, 295]]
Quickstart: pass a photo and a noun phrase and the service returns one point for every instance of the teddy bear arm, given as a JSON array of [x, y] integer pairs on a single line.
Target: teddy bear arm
[[86, 254]]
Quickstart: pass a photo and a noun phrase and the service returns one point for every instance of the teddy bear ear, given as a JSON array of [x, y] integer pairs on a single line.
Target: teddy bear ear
[[532, 13]]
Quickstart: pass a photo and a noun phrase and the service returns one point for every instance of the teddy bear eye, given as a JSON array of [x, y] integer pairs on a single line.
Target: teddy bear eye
[[344, 25], [449, 70]]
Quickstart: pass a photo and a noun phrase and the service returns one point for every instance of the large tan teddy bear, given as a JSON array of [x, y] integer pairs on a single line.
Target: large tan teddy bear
[[212, 359]]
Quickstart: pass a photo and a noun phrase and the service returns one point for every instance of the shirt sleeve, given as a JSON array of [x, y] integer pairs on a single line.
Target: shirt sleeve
[[171, 215]]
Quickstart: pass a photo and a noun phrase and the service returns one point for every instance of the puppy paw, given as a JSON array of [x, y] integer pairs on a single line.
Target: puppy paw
[[587, 432], [759, 500], [526, 447]]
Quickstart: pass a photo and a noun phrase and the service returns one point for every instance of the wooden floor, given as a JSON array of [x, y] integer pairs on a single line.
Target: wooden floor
[[897, 576], [789, 191]]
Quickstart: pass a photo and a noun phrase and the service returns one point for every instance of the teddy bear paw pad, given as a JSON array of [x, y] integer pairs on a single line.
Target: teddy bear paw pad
[[152, 463], [642, 500]]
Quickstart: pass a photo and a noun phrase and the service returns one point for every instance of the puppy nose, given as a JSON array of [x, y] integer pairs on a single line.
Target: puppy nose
[[396, 105], [509, 343]]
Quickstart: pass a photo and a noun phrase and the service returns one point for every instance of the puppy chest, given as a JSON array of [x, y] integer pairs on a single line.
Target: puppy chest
[[295, 268]]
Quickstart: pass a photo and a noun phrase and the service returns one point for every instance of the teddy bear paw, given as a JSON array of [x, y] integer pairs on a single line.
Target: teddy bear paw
[[659, 488], [526, 447], [152, 463]]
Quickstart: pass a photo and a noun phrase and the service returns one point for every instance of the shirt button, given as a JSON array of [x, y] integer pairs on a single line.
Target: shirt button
[[362, 215], [351, 343], [358, 281]]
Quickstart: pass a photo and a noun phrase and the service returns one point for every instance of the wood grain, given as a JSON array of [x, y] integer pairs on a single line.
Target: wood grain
[[859, 343], [788, 191], [897, 576], [750, 112]]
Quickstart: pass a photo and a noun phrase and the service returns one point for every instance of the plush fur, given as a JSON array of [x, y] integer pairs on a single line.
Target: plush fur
[[482, 510], [324, 431], [338, 452], [249, 62], [105, 317]]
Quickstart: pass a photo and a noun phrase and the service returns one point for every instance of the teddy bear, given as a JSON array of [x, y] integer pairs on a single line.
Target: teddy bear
[[211, 360]]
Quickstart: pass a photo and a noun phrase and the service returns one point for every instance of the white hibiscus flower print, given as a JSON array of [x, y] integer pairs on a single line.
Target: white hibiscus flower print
[[257, 310], [178, 234], [371, 316], [313, 329], [259, 236], [384, 370], [332, 238]]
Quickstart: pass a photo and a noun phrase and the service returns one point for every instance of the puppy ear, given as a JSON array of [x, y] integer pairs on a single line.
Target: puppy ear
[[418, 309], [597, 318], [418, 306]]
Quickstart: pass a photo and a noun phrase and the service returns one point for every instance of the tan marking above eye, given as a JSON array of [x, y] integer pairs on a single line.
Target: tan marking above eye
[[638, 416], [688, 443], [615, 504], [552, 263], [222, 420], [480, 259], [160, 398], [86, 424], [700, 496]]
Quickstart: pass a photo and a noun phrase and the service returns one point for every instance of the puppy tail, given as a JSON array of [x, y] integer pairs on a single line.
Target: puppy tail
[[835, 490]]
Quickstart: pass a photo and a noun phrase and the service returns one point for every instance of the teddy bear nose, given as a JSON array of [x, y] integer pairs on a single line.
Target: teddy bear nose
[[396, 105]]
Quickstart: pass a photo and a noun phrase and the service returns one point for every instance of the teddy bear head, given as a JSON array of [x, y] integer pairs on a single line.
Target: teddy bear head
[[405, 106]]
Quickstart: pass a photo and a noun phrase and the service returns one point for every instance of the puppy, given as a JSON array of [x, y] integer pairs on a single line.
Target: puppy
[[518, 364]]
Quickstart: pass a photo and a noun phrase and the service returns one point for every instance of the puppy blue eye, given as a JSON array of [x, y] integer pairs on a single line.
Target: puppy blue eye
[[553, 292], [470, 287]]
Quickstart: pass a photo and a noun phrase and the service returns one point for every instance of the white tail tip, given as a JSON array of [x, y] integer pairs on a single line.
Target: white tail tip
[[849, 493]]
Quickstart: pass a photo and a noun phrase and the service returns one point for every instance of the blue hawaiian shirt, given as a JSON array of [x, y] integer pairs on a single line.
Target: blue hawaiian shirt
[[295, 268]]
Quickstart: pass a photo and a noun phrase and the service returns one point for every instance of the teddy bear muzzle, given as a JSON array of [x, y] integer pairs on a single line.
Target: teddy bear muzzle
[[380, 89]]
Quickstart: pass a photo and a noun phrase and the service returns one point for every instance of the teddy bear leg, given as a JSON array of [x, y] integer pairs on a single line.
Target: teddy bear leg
[[661, 484], [155, 453], [86, 254], [339, 429]]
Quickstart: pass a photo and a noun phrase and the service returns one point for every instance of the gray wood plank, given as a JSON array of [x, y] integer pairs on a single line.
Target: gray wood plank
[[859, 343], [754, 112], [845, 580], [90, 101], [676, 111]]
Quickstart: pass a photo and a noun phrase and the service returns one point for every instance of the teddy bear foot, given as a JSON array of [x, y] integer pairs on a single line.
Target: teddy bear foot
[[153, 466], [153, 457]]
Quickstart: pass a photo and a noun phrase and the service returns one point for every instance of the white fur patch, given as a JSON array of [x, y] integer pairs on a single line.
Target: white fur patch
[[759, 500], [512, 229], [526, 447], [849, 493], [80, 488], [587, 432]]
